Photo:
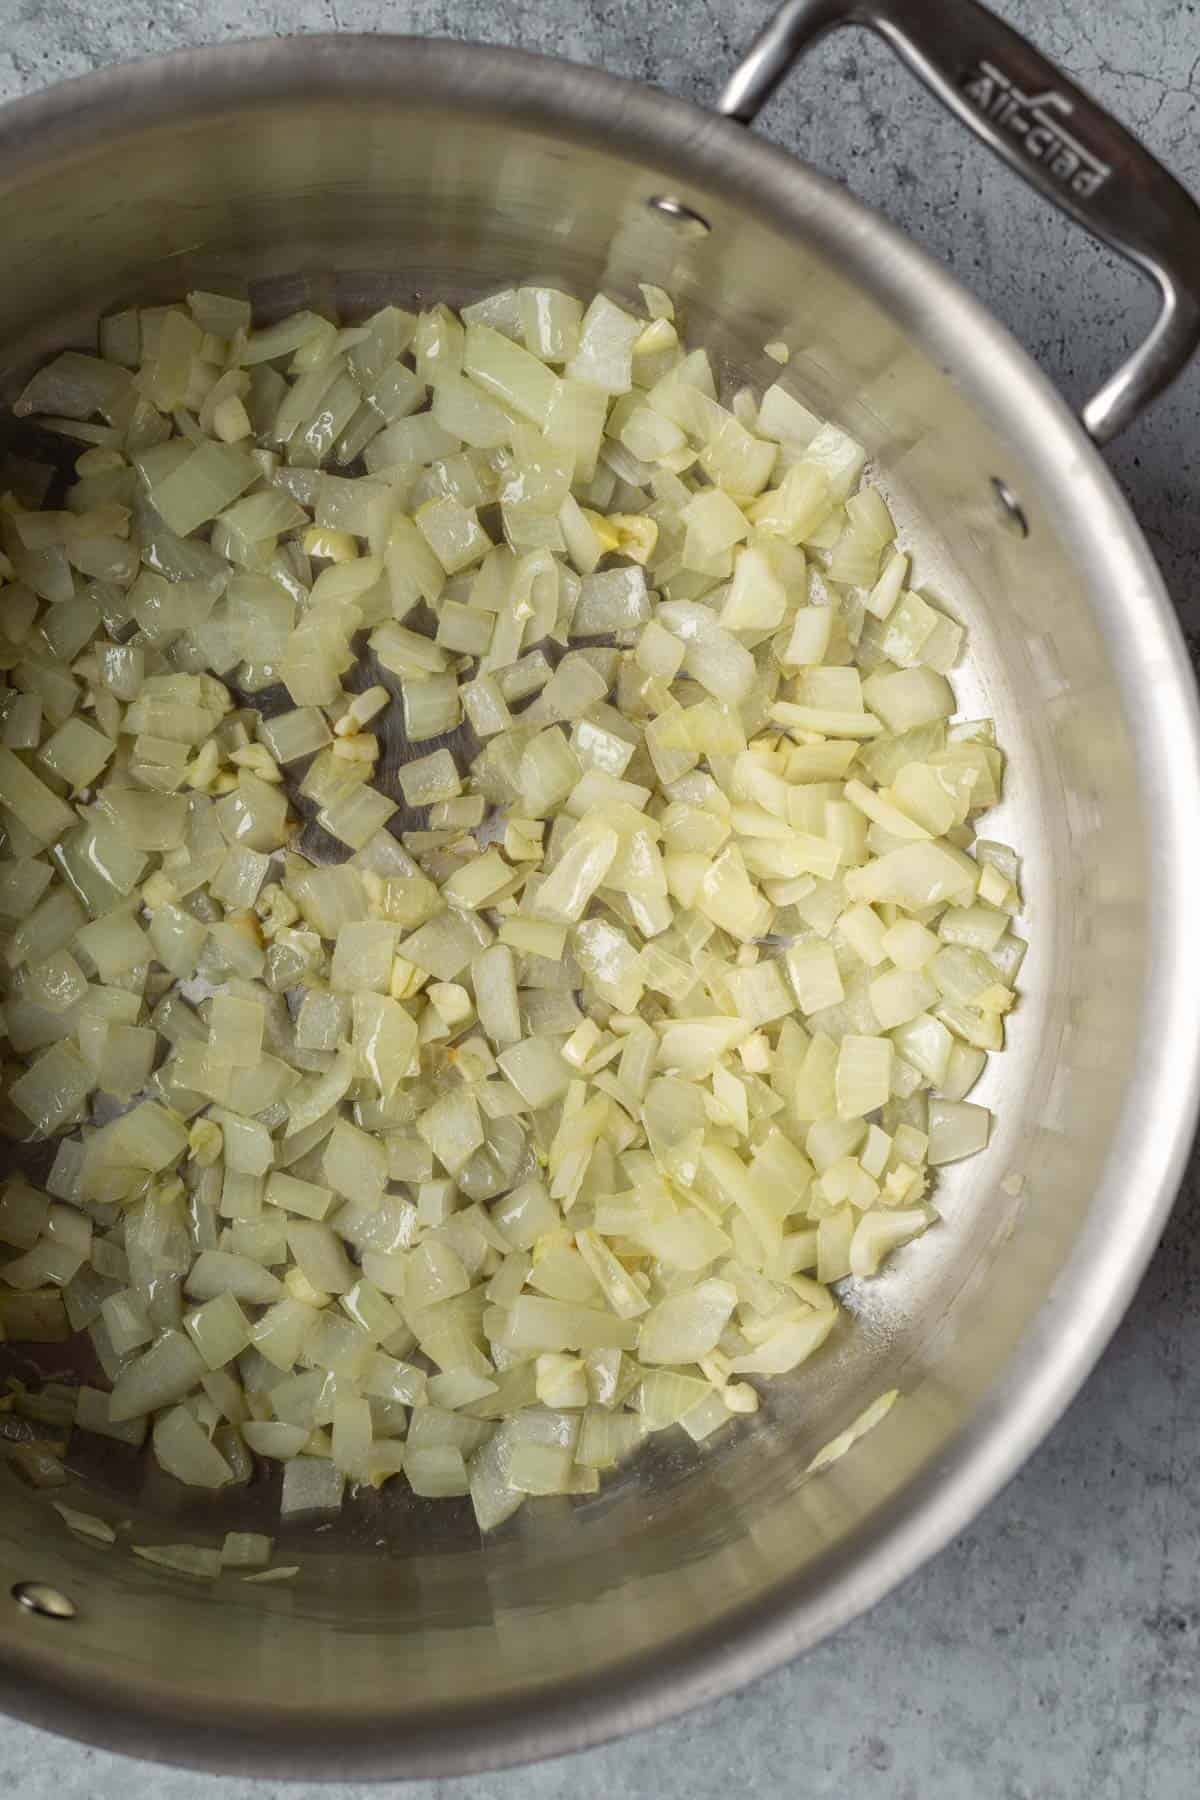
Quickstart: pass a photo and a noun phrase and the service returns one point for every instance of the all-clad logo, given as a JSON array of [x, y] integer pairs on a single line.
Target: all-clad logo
[[1036, 122]]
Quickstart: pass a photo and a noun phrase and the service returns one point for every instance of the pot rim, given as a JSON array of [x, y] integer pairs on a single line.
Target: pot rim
[[1129, 1210]]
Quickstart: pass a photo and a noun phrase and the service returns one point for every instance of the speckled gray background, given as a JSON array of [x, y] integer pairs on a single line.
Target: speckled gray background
[[1050, 1653]]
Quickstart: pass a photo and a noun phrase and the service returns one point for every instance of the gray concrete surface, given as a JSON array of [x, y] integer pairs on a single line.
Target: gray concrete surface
[[1049, 1653]]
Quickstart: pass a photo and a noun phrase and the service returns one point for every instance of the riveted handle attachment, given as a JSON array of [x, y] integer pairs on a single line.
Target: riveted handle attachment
[[1045, 128]]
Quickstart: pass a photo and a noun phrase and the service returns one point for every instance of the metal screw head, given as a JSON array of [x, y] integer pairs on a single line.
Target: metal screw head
[[685, 217], [39, 1597], [1012, 513]]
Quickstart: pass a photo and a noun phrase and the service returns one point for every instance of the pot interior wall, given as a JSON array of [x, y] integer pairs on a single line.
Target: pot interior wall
[[400, 1608]]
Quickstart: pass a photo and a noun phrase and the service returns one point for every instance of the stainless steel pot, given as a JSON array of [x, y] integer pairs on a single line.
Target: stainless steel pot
[[343, 170]]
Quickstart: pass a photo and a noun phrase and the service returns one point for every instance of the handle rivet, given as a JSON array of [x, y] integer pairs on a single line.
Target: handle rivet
[[685, 217], [1012, 513], [39, 1597]]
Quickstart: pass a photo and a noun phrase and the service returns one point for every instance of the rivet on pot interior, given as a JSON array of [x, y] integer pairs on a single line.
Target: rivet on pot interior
[[39, 1597], [1012, 513], [684, 216]]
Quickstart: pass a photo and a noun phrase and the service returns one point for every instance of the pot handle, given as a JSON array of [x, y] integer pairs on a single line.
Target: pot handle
[[1045, 128]]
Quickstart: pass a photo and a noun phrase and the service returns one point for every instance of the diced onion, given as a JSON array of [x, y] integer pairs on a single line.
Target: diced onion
[[469, 1147]]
